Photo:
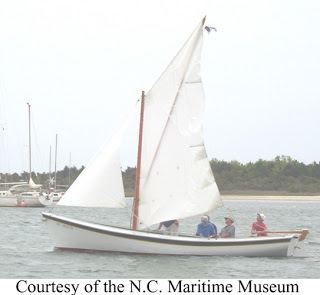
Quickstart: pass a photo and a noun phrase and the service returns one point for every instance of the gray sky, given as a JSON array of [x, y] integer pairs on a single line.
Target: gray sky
[[83, 64]]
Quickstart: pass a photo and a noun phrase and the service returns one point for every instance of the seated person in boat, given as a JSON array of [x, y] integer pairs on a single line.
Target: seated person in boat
[[170, 226], [206, 229], [214, 226], [229, 230], [259, 228]]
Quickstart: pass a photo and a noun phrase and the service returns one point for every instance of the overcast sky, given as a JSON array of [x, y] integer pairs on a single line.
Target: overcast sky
[[83, 64]]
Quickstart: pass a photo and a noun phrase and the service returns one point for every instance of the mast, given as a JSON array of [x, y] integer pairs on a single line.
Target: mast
[[29, 111], [49, 168], [69, 182], [135, 207], [55, 164], [5, 180]]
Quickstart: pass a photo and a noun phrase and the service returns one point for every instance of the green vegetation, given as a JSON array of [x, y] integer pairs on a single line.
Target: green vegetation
[[63, 178], [281, 176]]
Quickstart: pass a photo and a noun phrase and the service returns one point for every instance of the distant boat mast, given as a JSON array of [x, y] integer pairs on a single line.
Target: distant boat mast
[[29, 116], [49, 169], [69, 169], [55, 164]]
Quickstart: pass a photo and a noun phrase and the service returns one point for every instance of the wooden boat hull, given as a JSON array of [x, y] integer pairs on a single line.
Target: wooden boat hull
[[74, 234]]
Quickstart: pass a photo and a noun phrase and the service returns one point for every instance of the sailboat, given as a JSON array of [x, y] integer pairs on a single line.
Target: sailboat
[[54, 194], [7, 198], [25, 194], [174, 179]]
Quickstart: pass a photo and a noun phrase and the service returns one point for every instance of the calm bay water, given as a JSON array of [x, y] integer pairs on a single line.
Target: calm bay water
[[27, 251]]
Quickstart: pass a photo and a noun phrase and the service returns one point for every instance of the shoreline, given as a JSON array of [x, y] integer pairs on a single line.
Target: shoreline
[[270, 198], [266, 198]]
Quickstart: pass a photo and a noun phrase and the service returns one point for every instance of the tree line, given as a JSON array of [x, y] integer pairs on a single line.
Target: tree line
[[282, 175]]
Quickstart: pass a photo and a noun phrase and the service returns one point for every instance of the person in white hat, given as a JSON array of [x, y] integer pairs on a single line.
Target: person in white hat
[[259, 228], [229, 230]]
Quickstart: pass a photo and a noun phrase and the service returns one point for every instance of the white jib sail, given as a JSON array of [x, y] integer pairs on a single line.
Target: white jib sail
[[100, 183], [176, 177]]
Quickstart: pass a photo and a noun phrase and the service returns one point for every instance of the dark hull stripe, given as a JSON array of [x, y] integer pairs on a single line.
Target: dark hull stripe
[[161, 239]]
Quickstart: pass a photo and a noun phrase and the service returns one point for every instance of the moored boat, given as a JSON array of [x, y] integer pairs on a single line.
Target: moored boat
[[25, 199], [56, 196], [7, 199], [26, 194]]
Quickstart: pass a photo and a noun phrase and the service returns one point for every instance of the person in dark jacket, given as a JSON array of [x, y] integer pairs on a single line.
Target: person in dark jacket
[[170, 227]]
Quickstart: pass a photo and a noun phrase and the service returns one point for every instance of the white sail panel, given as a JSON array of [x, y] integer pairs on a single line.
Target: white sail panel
[[100, 183], [176, 178]]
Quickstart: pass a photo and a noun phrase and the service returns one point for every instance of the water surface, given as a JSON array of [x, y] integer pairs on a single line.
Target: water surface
[[27, 251]]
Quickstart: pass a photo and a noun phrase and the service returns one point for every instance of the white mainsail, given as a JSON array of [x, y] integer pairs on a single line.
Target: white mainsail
[[100, 183], [176, 177]]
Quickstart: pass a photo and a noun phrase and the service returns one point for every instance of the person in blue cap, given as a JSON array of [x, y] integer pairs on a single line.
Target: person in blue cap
[[206, 229]]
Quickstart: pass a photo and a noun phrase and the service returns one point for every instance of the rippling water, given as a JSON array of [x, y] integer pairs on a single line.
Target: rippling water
[[27, 251]]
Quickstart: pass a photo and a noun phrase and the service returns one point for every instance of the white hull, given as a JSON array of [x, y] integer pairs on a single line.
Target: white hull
[[25, 201], [56, 197], [74, 234]]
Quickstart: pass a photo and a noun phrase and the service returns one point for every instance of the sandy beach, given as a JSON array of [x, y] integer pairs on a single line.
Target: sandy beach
[[272, 198]]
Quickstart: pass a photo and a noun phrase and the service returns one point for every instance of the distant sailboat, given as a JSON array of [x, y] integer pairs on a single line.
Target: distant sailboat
[[173, 177], [25, 194], [54, 193], [5, 192]]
